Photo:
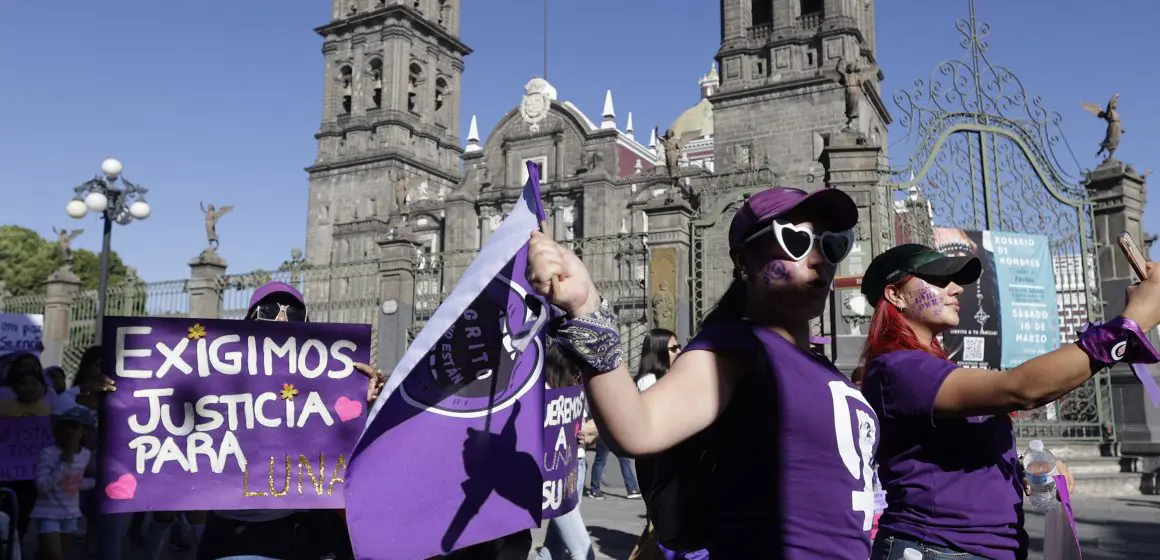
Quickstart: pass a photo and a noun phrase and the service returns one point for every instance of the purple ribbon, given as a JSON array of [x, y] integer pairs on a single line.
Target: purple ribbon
[[1148, 382], [1065, 501]]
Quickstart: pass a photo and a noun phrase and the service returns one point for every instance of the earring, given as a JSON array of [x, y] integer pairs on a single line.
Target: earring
[[744, 276]]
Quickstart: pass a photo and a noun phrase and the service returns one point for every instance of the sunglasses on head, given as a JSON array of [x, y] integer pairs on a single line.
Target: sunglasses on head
[[279, 312], [797, 241]]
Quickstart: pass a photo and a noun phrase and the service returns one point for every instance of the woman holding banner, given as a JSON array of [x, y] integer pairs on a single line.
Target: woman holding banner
[[948, 460], [794, 438]]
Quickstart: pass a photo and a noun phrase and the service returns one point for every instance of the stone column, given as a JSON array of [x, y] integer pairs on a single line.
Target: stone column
[[460, 236], [205, 288], [1118, 195], [669, 285], [397, 287], [61, 288], [851, 161]]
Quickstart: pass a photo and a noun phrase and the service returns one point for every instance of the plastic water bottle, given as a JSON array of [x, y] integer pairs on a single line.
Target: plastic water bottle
[[911, 554], [1039, 467]]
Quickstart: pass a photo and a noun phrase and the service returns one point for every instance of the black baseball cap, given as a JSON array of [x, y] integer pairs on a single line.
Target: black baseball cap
[[912, 259]]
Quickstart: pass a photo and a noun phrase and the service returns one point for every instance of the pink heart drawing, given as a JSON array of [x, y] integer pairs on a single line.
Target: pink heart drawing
[[123, 488], [347, 409]]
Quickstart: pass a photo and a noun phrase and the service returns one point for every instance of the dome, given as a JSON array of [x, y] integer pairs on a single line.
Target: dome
[[696, 122]]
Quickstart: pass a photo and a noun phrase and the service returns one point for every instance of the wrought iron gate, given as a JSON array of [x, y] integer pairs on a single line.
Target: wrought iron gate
[[987, 156]]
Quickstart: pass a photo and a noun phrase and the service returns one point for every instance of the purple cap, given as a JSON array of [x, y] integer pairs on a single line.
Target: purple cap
[[271, 288], [761, 208]]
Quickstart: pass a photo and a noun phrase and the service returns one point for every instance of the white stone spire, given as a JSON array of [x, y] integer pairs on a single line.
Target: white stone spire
[[652, 141], [628, 128], [609, 111], [472, 136]]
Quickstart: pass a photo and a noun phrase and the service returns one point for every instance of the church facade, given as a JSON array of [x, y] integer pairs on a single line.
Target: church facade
[[793, 99]]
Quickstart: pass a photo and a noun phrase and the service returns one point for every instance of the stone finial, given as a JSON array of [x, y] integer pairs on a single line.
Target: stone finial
[[473, 136], [652, 140], [628, 127], [609, 113]]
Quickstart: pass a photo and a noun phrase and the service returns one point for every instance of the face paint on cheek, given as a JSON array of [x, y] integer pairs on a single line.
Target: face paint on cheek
[[774, 273], [929, 302]]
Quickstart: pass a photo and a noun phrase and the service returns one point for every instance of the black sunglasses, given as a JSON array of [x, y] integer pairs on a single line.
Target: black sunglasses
[[279, 312]]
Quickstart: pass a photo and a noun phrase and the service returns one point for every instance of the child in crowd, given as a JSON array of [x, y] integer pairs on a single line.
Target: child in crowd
[[60, 477]]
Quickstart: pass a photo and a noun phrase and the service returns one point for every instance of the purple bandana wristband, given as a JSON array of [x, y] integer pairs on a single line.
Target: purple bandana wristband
[[593, 339], [1122, 340]]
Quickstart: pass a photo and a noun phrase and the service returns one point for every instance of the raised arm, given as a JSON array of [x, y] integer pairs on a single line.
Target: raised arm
[[687, 400], [968, 392]]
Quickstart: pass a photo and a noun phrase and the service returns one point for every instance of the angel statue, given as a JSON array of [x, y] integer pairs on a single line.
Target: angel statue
[[64, 239], [212, 215], [1112, 116]]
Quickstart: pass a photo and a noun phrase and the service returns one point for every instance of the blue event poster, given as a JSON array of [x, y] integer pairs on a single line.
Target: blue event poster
[[1026, 282]]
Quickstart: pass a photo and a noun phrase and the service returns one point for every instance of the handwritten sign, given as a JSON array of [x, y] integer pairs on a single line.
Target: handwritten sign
[[20, 333], [21, 440], [562, 421], [219, 415]]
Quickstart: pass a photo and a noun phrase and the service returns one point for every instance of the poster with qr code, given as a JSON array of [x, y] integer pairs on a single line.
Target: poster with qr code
[[1010, 315], [973, 348]]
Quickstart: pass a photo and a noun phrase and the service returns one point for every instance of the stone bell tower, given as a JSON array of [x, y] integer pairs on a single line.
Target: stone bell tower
[[388, 140]]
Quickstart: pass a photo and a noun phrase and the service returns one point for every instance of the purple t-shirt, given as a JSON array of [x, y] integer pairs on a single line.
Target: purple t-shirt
[[793, 476], [952, 482]]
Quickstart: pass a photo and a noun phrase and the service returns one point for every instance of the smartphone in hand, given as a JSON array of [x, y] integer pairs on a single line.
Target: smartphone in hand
[[1134, 255]]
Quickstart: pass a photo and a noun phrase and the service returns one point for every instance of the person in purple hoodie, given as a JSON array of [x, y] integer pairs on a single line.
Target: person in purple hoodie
[[792, 438], [947, 458]]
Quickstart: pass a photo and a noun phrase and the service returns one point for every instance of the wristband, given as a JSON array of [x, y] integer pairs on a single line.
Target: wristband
[[1118, 340], [594, 339]]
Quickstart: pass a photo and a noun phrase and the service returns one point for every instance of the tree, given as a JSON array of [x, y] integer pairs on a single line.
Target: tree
[[27, 259]]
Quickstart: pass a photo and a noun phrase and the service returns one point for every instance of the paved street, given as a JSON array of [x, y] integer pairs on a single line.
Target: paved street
[[1109, 529]]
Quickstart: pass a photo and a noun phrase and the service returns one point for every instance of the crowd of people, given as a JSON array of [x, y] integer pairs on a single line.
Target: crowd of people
[[776, 452]]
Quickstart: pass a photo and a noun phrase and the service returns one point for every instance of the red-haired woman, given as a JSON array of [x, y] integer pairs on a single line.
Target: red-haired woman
[[947, 455]]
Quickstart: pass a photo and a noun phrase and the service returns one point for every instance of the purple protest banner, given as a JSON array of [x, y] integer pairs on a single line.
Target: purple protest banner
[[221, 415], [563, 417], [21, 440], [450, 453]]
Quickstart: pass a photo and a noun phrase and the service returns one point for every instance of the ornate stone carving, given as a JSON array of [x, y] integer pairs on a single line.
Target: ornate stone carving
[[536, 103]]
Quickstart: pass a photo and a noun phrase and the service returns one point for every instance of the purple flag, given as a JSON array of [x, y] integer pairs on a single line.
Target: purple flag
[[218, 415], [21, 440], [450, 455], [562, 421]]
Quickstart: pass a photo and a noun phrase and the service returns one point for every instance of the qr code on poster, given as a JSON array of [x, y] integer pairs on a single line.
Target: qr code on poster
[[973, 348]]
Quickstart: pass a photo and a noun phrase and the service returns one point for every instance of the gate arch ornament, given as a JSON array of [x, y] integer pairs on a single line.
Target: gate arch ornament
[[986, 155]]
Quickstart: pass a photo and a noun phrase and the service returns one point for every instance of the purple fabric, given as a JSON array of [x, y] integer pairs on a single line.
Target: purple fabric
[[1065, 501], [451, 454], [794, 477], [220, 415], [271, 288], [1144, 375], [1118, 340], [674, 555], [768, 204], [951, 482]]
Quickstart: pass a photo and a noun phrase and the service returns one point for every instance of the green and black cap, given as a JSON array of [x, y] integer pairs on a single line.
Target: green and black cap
[[916, 260]]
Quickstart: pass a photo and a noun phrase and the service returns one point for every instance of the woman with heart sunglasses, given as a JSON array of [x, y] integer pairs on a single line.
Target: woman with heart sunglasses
[[790, 438], [947, 461]]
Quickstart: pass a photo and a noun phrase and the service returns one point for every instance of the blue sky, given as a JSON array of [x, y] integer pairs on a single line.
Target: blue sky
[[218, 100]]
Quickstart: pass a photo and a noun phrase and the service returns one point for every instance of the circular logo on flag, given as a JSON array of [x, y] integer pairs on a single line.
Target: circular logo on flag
[[477, 364]]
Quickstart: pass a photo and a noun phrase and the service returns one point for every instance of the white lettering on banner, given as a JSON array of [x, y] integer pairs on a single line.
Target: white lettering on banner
[[209, 413], [226, 354], [563, 410], [856, 453]]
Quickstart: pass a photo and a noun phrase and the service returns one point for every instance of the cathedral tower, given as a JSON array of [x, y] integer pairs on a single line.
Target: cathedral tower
[[388, 141], [782, 88]]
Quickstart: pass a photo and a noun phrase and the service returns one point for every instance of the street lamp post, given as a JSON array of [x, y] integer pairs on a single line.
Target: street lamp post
[[116, 200]]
